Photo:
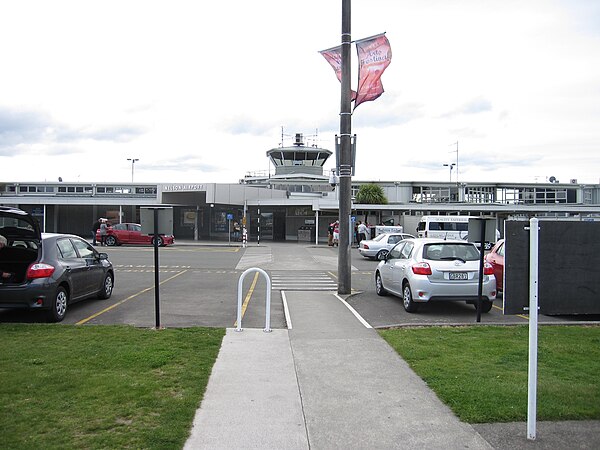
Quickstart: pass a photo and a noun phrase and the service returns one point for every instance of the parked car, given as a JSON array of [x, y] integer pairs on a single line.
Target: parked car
[[48, 271], [380, 245], [131, 233], [496, 258], [425, 270]]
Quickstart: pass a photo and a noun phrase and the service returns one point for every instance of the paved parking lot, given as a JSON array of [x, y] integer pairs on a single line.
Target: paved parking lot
[[199, 287]]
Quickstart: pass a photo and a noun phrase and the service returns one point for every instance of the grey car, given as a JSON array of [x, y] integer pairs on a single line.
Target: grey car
[[380, 245], [425, 270], [48, 271]]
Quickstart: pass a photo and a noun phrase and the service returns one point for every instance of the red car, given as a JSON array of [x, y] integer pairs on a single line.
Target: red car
[[496, 258], [131, 233]]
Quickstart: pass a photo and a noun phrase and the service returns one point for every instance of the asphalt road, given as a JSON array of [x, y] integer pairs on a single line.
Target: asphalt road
[[198, 286]]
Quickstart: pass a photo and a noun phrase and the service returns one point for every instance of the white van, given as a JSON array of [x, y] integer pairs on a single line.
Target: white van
[[444, 227]]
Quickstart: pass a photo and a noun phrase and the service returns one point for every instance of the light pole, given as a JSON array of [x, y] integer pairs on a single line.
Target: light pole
[[451, 166], [133, 160]]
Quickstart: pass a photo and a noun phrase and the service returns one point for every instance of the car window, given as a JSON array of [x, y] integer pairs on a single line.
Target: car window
[[84, 249], [136, 228], [500, 249], [407, 250], [395, 252], [379, 237], [447, 251], [66, 248], [120, 226], [394, 239]]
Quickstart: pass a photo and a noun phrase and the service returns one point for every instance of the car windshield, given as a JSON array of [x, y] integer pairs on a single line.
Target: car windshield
[[447, 251]]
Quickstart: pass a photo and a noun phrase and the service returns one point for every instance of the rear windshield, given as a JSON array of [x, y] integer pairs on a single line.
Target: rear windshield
[[446, 251]]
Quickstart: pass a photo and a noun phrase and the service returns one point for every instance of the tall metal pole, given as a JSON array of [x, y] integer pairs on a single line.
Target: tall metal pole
[[345, 159]]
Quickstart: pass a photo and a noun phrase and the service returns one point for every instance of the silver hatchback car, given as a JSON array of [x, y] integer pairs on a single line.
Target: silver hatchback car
[[424, 270]]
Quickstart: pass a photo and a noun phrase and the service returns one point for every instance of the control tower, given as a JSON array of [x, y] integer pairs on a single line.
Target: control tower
[[298, 159]]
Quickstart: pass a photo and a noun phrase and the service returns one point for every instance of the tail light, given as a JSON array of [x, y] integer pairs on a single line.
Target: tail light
[[421, 268], [488, 269], [365, 246], [39, 270]]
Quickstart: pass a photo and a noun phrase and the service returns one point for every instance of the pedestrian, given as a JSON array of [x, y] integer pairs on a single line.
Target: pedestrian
[[336, 233], [95, 228], [330, 234], [103, 229], [363, 231], [236, 231]]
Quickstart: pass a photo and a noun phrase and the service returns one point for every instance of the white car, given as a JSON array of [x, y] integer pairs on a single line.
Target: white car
[[424, 270], [378, 247]]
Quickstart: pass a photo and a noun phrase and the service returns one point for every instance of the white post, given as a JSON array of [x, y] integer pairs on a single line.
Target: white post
[[317, 227], [533, 328]]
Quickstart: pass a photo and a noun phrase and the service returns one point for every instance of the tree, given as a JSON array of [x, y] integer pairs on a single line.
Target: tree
[[370, 194]]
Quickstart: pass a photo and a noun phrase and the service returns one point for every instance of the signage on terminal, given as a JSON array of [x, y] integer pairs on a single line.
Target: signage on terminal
[[183, 187]]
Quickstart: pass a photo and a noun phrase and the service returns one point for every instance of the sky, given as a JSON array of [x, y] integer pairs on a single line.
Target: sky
[[200, 91]]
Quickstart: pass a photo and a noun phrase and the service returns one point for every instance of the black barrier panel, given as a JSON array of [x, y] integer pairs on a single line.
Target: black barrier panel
[[568, 267]]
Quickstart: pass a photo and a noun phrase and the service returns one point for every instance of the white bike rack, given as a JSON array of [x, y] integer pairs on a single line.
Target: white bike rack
[[268, 300]]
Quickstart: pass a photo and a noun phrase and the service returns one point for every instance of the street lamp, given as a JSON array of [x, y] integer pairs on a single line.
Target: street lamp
[[133, 160], [451, 166]]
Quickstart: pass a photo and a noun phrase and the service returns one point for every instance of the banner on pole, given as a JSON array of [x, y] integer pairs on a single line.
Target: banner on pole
[[334, 58], [374, 56]]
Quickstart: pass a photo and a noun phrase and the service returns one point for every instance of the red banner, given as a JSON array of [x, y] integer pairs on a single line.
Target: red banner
[[334, 58], [374, 55]]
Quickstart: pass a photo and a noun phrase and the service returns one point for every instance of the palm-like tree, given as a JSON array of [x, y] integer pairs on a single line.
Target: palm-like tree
[[370, 194]]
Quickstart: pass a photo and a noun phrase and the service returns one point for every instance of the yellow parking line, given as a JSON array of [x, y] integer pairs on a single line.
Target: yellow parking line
[[247, 299], [518, 315], [93, 316]]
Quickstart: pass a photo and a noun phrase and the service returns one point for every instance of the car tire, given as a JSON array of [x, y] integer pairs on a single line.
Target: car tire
[[381, 254], [379, 289], [110, 241], [486, 306], [107, 287], [407, 299], [160, 241], [58, 307]]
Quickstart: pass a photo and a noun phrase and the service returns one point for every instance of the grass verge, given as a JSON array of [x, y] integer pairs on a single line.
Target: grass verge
[[481, 372], [102, 386]]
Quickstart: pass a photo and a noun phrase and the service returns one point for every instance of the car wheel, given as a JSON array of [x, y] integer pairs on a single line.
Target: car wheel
[[58, 307], [486, 306], [110, 241], [381, 254], [160, 241], [407, 299], [379, 289], [107, 287]]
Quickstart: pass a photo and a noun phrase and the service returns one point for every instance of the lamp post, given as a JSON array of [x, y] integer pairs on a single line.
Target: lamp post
[[133, 160], [450, 166]]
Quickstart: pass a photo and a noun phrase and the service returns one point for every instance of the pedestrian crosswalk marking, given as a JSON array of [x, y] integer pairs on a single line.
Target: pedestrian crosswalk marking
[[302, 281]]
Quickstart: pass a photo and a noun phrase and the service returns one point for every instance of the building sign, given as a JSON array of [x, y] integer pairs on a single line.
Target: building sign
[[183, 187]]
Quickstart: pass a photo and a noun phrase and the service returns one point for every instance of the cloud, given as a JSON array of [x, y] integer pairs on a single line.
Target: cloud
[[474, 106], [28, 129]]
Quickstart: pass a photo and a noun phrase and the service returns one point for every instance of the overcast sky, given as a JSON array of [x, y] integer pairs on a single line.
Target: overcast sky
[[199, 91]]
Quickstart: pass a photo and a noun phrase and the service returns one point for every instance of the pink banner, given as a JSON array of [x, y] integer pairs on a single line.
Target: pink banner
[[334, 58], [374, 55]]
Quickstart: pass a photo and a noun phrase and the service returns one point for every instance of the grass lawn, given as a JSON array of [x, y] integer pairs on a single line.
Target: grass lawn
[[481, 372], [101, 386]]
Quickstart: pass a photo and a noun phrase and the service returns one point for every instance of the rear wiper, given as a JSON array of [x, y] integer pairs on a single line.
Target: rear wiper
[[452, 258]]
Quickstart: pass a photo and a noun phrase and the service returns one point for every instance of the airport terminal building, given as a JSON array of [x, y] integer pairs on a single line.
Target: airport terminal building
[[296, 203]]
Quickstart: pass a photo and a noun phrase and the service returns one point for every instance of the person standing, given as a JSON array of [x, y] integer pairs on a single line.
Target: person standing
[[103, 228], [330, 234], [336, 233], [363, 231], [95, 228]]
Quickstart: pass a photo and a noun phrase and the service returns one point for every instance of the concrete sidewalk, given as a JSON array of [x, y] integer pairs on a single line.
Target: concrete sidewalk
[[328, 382]]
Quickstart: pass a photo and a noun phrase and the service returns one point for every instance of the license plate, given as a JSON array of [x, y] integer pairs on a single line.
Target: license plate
[[458, 276]]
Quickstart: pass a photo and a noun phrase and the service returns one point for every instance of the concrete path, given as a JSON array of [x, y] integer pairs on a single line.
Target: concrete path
[[328, 382]]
